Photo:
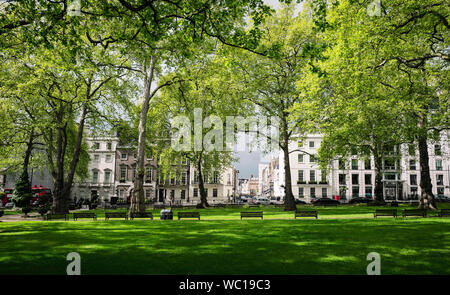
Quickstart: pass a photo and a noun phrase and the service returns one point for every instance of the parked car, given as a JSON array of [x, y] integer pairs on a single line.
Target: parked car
[[442, 199], [275, 201], [325, 202], [359, 200], [262, 201], [299, 202]]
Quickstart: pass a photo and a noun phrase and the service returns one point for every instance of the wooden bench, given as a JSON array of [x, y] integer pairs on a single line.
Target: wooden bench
[[109, 215], [385, 212], [252, 214], [444, 212], [188, 215], [305, 213], [56, 216], [142, 215], [77, 215], [414, 212]]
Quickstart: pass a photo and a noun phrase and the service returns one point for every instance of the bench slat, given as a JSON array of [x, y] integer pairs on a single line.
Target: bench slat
[[385, 212], [305, 213], [77, 215], [188, 215], [414, 212], [252, 214]]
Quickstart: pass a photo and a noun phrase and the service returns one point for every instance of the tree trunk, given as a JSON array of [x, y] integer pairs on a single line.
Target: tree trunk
[[379, 198], [201, 187], [426, 197], [138, 198]]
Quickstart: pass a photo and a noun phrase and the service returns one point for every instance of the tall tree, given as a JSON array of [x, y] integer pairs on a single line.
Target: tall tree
[[269, 82]]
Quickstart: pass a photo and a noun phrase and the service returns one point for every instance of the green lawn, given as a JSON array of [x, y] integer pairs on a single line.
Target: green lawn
[[220, 243]]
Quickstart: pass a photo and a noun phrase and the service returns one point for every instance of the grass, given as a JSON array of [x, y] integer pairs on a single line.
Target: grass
[[337, 243]]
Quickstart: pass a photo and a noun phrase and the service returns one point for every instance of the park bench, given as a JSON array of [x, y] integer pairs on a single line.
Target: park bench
[[77, 215], [305, 213], [142, 215], [109, 215], [414, 212], [444, 212], [188, 215], [56, 216], [253, 206], [252, 214], [385, 212]]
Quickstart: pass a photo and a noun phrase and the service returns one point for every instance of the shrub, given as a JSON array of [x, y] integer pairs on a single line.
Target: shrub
[[22, 194]]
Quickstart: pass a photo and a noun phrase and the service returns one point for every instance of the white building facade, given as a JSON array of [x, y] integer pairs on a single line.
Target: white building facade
[[355, 176]]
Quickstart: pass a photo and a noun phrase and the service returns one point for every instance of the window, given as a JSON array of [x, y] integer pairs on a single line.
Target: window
[[206, 192], [411, 149], [439, 165], [108, 159], [195, 176], [367, 164], [96, 158], [94, 176], [301, 192], [109, 146], [390, 176], [342, 179], [96, 145], [216, 177], [312, 159], [183, 194], [440, 179], [413, 179], [121, 193], [368, 179], [148, 194], [311, 144], [123, 174], [313, 192], [412, 164], [437, 150], [214, 192], [123, 156], [368, 191], [183, 177], [195, 192], [341, 164], [323, 176], [312, 175], [414, 191], [107, 176], [300, 158], [300, 175], [355, 179], [354, 164], [324, 192], [355, 191], [389, 164], [440, 191], [148, 174]]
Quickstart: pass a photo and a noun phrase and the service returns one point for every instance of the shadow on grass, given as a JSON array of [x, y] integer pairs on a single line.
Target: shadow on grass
[[413, 246]]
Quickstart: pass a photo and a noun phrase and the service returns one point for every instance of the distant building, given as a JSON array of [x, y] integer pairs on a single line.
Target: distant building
[[355, 176]]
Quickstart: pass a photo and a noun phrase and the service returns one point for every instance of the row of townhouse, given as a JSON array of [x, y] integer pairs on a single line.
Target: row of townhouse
[[355, 176], [112, 171]]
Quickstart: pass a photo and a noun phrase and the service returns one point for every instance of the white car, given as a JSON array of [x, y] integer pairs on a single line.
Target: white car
[[262, 201]]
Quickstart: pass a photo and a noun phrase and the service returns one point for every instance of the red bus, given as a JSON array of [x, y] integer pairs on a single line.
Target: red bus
[[8, 192], [39, 191]]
